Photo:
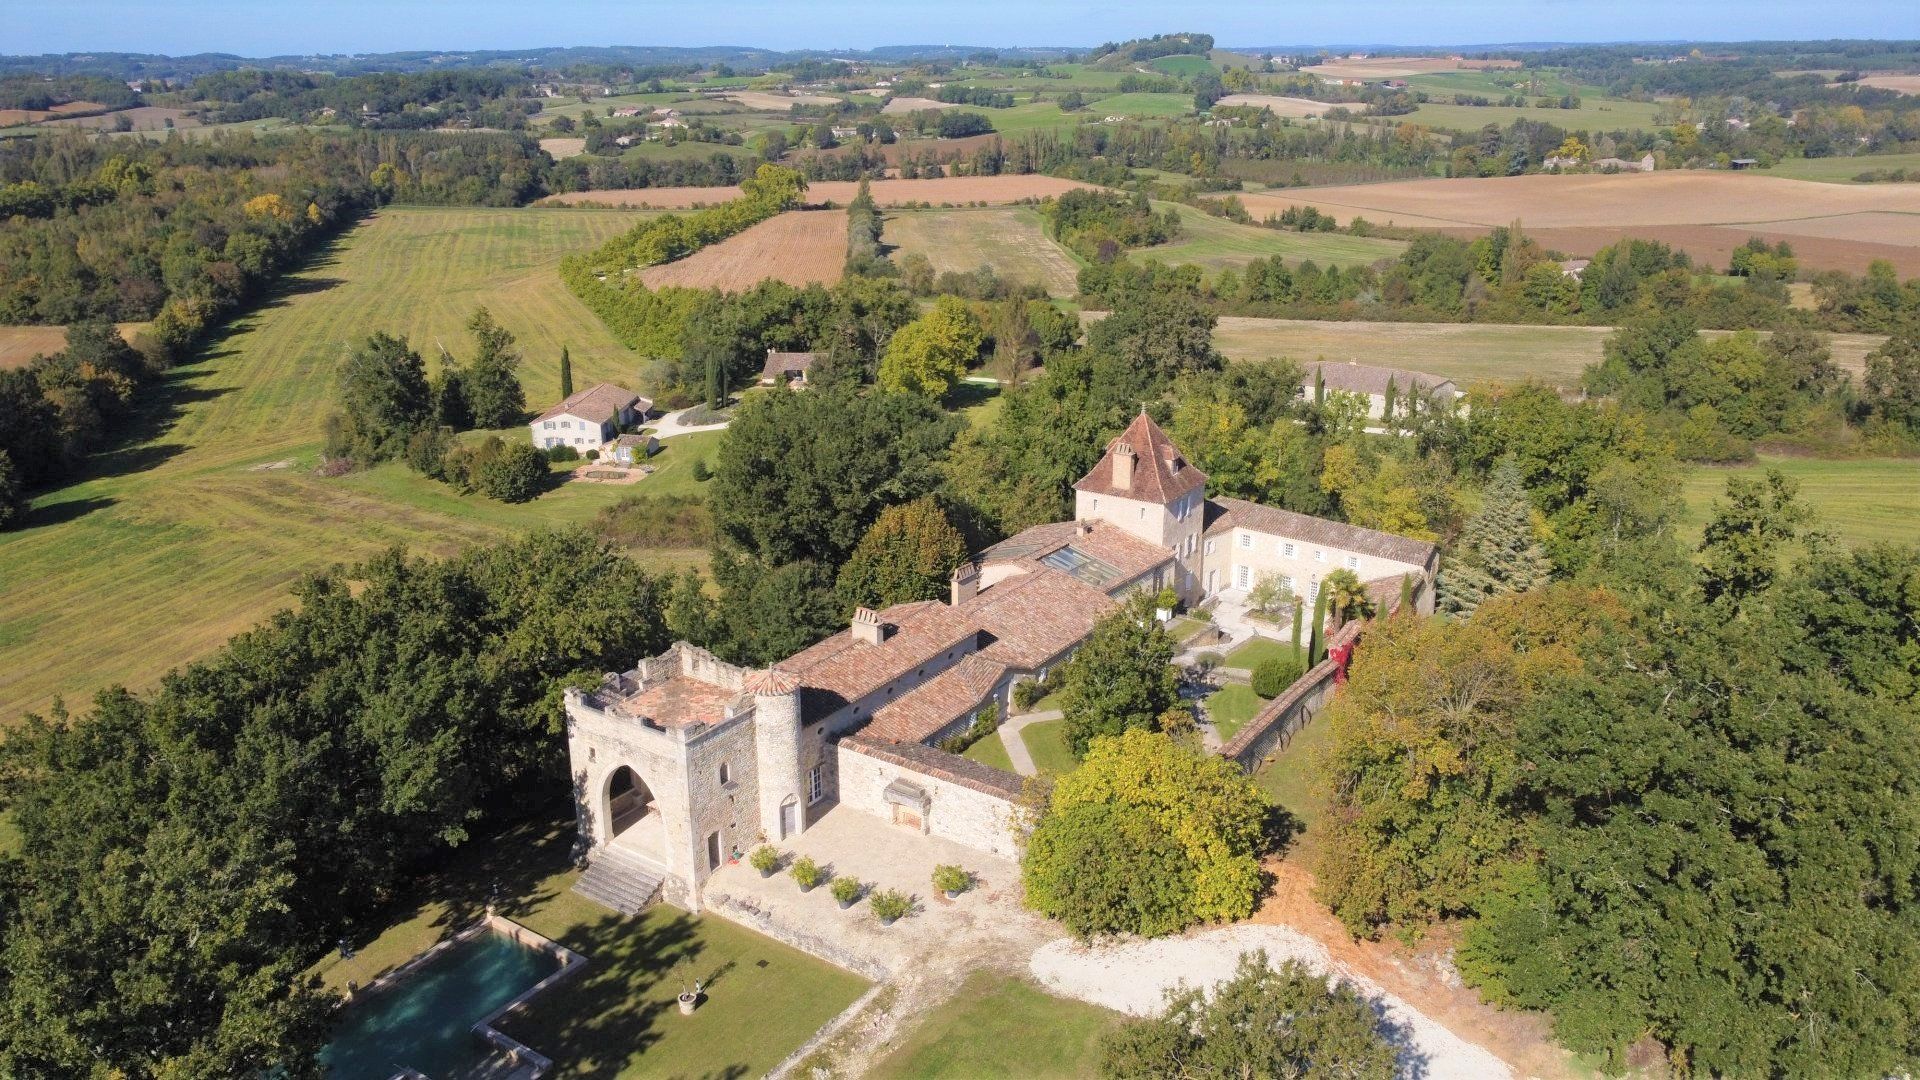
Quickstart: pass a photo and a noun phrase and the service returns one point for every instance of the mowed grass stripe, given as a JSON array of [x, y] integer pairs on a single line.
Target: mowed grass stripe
[[1862, 501], [124, 575]]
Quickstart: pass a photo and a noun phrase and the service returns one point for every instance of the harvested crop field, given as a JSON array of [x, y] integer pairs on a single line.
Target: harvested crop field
[[1707, 213], [914, 104], [19, 344], [1471, 353], [1905, 84], [756, 99], [1011, 239], [951, 189], [800, 247], [1281, 106], [560, 148]]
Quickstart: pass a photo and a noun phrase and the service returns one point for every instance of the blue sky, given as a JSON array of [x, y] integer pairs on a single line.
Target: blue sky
[[330, 26]]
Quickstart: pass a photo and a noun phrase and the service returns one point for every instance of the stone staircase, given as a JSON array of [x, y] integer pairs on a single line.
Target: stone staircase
[[621, 880]]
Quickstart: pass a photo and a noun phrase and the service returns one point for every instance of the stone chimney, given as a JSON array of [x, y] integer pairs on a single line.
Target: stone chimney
[[1123, 462], [966, 582], [867, 627], [1084, 528]]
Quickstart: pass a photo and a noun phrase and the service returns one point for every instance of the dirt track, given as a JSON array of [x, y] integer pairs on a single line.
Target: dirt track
[[800, 248], [952, 189]]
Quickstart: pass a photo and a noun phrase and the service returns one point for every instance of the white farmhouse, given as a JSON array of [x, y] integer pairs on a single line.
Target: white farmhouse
[[1373, 383], [589, 419]]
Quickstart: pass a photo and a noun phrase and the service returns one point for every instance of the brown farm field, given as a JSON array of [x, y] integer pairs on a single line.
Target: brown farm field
[[899, 105], [1281, 106], [952, 189], [19, 344], [1832, 226], [560, 147], [1905, 84], [800, 247], [1010, 239], [1470, 353]]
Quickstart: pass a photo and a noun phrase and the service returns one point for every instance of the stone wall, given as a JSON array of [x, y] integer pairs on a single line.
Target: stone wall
[[1274, 726], [968, 803]]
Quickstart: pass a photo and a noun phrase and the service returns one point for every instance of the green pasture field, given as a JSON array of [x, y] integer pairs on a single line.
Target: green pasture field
[[1594, 114], [1842, 170], [1011, 239], [1078, 77], [1216, 244], [1862, 501], [198, 530], [1143, 106], [684, 151], [1039, 116], [1185, 66], [1471, 353]]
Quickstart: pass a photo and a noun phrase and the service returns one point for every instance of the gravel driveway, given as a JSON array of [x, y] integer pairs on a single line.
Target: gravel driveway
[[1134, 978]]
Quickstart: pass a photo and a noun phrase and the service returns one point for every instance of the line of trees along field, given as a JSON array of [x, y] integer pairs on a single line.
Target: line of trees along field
[[180, 235]]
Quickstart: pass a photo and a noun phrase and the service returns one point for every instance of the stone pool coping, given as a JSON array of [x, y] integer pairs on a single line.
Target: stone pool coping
[[571, 964]]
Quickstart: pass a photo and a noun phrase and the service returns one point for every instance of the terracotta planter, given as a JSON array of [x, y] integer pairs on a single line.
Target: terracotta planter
[[687, 1002]]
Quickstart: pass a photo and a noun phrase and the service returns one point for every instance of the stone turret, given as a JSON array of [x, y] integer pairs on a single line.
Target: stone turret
[[777, 750]]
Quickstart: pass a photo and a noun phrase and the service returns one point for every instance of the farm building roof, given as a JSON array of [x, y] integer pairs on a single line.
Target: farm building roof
[[1225, 514], [1357, 378], [599, 403], [787, 363]]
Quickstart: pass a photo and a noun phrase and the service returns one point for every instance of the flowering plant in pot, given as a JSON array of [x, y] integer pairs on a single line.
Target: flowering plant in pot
[[846, 890], [764, 859], [889, 905], [806, 873], [951, 880]]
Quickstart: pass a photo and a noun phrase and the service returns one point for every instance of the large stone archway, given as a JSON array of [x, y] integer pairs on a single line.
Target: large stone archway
[[633, 817]]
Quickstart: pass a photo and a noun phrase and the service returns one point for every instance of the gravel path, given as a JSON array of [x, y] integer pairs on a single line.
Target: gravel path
[[671, 424], [1134, 978]]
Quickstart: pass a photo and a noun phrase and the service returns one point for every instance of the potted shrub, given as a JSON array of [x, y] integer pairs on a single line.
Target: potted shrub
[[689, 998], [889, 905], [764, 859], [846, 890], [806, 872], [951, 880]]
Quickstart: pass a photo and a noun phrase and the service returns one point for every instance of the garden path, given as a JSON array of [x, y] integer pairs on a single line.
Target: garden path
[[1016, 743]]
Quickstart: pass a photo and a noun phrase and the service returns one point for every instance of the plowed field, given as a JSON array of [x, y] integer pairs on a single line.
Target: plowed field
[[799, 248]]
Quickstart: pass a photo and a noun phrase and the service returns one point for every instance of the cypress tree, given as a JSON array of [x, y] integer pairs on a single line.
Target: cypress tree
[[1497, 551], [1299, 616], [566, 374], [1386, 411], [1319, 386], [716, 382], [1317, 644], [1406, 593]]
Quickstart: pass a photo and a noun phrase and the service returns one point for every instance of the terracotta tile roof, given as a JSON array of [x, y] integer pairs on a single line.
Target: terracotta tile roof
[[1224, 514], [939, 765], [937, 702], [1357, 378], [842, 670], [681, 701], [1161, 473], [1033, 617], [597, 403], [1126, 555]]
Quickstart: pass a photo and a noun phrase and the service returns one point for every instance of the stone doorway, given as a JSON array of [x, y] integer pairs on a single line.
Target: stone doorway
[[633, 817]]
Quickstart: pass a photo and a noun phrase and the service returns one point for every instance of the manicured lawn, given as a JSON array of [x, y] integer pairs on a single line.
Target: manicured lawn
[[1231, 707], [1863, 501], [175, 544], [1047, 742], [1251, 654], [999, 1026], [1184, 627], [1289, 782], [618, 1019], [1215, 244], [991, 750]]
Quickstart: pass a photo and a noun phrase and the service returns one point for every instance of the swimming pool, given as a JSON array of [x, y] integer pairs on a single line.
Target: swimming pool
[[422, 1017]]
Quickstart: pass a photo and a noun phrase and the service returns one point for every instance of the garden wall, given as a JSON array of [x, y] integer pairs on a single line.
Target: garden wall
[[1274, 726], [965, 802]]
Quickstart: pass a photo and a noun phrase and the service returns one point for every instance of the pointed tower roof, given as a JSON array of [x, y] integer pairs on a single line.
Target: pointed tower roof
[[1159, 474]]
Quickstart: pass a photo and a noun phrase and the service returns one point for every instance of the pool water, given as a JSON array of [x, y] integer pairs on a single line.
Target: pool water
[[425, 1021]]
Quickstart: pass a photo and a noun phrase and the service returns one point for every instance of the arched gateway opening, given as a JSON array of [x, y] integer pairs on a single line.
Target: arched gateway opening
[[633, 817]]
